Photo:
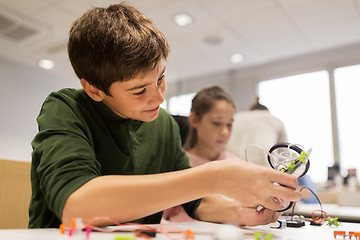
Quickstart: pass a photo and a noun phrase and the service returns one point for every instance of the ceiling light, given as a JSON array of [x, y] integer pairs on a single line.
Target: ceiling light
[[183, 19], [236, 58], [46, 64]]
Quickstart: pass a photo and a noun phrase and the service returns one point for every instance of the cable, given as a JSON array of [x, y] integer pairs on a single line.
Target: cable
[[315, 221], [317, 198], [109, 230], [140, 230], [260, 147]]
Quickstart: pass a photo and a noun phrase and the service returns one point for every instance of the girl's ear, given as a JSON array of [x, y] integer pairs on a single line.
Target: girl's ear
[[93, 92], [193, 120]]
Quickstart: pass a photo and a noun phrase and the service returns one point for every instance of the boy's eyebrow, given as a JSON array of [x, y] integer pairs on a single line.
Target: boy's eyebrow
[[138, 87], [145, 84]]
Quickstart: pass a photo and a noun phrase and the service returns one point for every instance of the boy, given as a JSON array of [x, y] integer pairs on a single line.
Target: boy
[[109, 150]]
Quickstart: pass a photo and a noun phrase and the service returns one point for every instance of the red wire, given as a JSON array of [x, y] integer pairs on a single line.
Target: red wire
[[110, 230], [320, 219], [166, 234]]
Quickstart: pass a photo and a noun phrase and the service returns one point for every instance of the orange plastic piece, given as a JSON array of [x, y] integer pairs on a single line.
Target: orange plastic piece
[[73, 224], [62, 228], [351, 234], [189, 234], [355, 234], [341, 233]]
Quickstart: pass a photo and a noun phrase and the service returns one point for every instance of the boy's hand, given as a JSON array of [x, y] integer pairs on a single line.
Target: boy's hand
[[252, 217], [253, 185], [223, 210]]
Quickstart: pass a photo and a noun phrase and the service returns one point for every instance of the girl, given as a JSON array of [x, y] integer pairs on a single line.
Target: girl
[[211, 119]]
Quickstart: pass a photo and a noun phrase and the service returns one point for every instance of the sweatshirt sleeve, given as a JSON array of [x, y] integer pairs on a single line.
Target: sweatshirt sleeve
[[63, 158]]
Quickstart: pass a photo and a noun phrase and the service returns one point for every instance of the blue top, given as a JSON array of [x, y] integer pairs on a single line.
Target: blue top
[[305, 181]]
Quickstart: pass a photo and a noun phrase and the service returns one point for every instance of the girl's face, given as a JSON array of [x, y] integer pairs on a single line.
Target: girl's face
[[214, 128]]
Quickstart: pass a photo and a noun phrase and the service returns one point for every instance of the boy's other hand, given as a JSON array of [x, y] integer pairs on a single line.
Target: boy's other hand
[[253, 217]]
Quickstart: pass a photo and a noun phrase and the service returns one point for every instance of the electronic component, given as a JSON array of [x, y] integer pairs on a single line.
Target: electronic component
[[278, 224], [151, 233], [318, 221], [295, 223], [315, 223]]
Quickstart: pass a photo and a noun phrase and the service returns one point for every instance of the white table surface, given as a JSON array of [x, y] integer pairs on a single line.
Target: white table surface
[[203, 231]]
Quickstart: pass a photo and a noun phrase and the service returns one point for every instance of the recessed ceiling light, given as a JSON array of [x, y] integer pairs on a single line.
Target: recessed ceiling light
[[236, 58], [183, 19], [46, 64]]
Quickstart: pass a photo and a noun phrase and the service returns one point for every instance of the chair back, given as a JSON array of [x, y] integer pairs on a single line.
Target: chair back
[[15, 193]]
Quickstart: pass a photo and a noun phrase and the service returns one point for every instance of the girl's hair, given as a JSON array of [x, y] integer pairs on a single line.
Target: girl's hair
[[117, 43], [201, 104]]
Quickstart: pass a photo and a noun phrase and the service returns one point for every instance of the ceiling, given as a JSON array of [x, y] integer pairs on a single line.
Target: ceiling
[[262, 30]]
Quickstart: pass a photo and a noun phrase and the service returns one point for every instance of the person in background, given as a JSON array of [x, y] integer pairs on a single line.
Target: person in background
[[109, 150], [258, 126], [210, 120], [255, 126]]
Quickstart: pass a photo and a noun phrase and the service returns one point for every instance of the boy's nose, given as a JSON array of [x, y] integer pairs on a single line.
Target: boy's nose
[[157, 97]]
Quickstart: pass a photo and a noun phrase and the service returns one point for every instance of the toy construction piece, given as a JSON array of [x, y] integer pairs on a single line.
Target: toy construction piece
[[344, 235], [289, 158], [333, 221]]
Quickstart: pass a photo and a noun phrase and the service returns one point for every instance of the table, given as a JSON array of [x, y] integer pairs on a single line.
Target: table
[[344, 213], [203, 231], [342, 196]]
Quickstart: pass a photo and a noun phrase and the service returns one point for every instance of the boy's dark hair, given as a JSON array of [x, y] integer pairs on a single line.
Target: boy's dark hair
[[201, 104], [117, 43]]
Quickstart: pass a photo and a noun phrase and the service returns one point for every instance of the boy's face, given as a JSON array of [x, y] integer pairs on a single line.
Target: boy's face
[[140, 97]]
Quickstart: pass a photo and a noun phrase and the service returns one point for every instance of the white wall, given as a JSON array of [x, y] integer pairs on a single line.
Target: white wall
[[242, 83], [22, 91]]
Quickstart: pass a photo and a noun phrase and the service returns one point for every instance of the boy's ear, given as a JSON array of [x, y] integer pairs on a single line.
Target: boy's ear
[[93, 92], [193, 120]]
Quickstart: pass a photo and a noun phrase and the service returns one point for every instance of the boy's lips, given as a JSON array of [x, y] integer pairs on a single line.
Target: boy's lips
[[152, 110]]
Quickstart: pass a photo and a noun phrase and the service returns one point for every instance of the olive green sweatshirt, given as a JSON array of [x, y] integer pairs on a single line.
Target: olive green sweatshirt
[[80, 139]]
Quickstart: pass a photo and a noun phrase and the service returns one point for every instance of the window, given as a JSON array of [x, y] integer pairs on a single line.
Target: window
[[302, 102], [347, 89], [181, 105]]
